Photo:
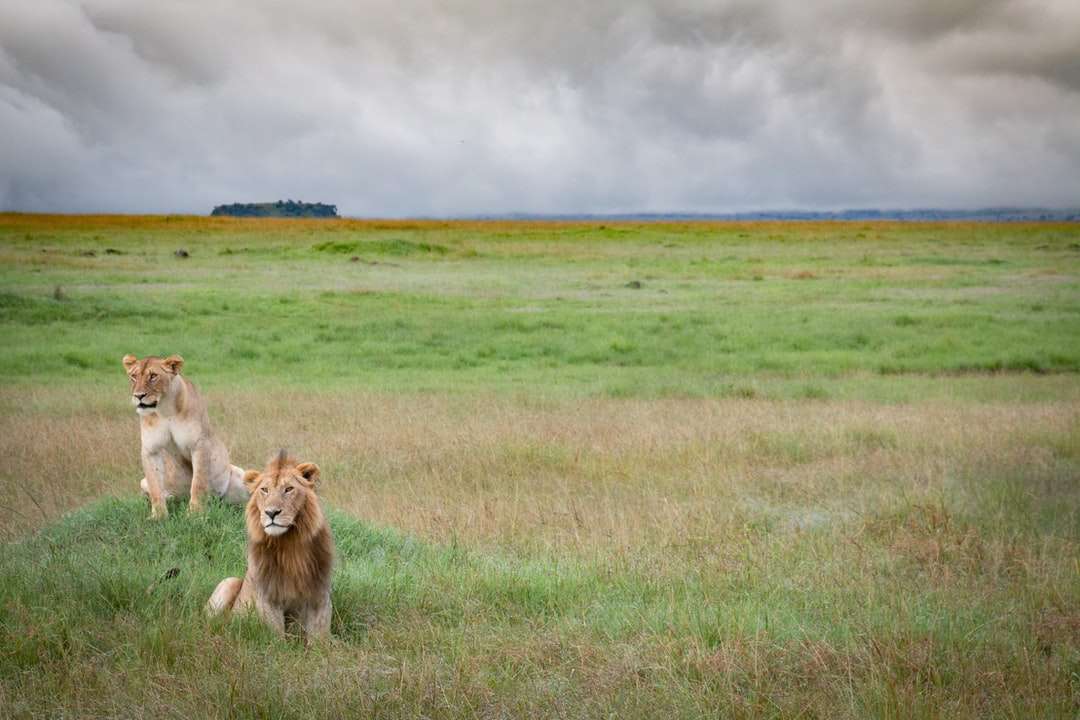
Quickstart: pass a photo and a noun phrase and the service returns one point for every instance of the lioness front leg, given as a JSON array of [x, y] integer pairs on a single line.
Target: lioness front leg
[[200, 475], [154, 467]]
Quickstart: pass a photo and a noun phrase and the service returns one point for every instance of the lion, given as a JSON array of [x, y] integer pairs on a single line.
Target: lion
[[180, 453], [290, 552]]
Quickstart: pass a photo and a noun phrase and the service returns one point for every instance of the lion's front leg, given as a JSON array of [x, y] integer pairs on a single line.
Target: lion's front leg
[[154, 467], [272, 616], [316, 622], [201, 457]]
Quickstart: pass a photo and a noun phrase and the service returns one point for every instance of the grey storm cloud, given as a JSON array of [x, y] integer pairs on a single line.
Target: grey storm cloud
[[412, 107]]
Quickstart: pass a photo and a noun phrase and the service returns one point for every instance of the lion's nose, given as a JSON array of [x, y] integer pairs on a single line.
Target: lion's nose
[[272, 513], [140, 396]]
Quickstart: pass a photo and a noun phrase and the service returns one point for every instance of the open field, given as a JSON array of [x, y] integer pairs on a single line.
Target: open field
[[810, 469]]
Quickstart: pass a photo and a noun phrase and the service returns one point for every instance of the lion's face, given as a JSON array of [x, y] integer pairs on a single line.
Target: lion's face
[[150, 378], [282, 495]]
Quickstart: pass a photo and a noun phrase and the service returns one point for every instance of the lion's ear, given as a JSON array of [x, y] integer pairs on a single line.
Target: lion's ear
[[308, 471], [251, 479], [129, 361], [173, 363]]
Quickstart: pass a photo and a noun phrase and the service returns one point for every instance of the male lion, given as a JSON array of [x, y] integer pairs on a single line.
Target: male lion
[[290, 551], [179, 451]]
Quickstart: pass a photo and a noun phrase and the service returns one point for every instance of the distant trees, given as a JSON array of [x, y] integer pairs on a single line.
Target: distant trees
[[281, 208]]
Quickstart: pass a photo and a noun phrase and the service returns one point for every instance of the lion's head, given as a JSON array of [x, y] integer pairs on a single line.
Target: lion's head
[[151, 378], [283, 499]]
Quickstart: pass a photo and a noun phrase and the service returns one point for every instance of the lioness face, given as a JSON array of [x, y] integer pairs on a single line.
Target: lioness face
[[280, 493], [150, 379]]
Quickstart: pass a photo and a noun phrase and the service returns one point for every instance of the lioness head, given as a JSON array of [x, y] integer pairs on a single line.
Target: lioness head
[[150, 379], [283, 497]]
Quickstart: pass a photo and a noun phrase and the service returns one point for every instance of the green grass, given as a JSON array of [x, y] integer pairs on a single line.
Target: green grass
[[590, 470], [101, 614], [515, 307]]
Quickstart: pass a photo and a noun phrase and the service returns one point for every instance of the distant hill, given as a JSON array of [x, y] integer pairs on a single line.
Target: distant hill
[[281, 208], [992, 214]]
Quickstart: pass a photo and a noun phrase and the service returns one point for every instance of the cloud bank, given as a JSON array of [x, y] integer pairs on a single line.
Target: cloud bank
[[413, 107]]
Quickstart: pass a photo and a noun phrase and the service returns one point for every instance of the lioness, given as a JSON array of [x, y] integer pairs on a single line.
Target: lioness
[[179, 451], [290, 551]]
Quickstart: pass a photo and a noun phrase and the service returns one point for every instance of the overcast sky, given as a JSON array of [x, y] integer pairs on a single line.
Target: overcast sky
[[404, 107]]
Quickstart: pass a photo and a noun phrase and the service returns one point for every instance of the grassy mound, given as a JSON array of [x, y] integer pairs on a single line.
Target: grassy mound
[[388, 246], [109, 561], [101, 615]]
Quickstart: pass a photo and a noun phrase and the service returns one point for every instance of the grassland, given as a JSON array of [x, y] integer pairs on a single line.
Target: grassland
[[740, 470]]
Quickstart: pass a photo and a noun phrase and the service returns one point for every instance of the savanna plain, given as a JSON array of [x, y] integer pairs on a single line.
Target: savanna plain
[[593, 469]]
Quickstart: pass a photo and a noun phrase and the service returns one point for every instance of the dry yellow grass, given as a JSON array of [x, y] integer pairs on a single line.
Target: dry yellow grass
[[520, 230], [589, 476]]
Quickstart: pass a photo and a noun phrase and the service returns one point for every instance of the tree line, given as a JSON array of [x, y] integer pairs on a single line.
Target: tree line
[[281, 208]]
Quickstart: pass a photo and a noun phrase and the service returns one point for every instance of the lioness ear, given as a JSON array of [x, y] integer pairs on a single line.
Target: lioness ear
[[308, 471], [129, 361], [251, 479], [173, 363]]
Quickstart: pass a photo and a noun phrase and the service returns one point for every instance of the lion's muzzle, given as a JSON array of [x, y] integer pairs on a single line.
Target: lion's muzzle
[[270, 525]]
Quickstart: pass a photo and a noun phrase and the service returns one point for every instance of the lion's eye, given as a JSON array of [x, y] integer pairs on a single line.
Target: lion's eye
[[265, 491], [288, 489], [153, 376]]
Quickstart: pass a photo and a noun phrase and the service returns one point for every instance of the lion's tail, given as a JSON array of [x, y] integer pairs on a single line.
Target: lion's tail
[[224, 596]]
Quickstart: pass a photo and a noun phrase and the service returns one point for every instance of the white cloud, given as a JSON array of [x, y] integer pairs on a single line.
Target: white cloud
[[413, 107]]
